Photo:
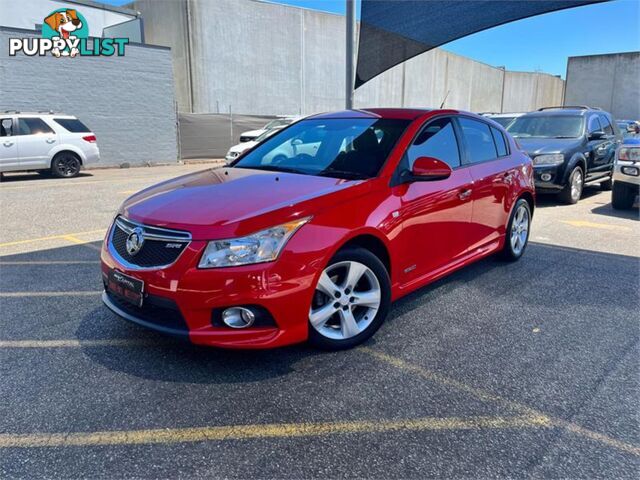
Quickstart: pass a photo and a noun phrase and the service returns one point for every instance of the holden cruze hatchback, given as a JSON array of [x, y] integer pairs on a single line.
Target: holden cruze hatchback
[[367, 206]]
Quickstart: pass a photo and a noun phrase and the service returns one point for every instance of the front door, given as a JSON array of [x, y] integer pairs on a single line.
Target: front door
[[435, 214], [8, 147]]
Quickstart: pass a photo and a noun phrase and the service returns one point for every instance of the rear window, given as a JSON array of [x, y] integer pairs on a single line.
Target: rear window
[[72, 125]]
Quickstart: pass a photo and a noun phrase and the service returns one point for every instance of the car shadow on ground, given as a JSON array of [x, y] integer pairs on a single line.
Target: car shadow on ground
[[176, 361], [551, 199], [30, 176]]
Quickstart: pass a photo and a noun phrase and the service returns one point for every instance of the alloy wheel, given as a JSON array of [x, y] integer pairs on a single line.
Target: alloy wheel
[[576, 185], [346, 300], [520, 229]]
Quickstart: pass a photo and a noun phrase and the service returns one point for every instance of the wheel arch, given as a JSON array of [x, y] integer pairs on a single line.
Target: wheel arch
[[528, 196], [578, 159], [67, 149]]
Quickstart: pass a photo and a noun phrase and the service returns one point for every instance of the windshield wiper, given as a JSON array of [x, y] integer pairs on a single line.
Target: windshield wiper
[[563, 136], [272, 168]]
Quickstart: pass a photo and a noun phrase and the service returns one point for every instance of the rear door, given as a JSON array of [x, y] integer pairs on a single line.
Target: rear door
[[493, 172], [35, 140], [435, 214], [8, 147]]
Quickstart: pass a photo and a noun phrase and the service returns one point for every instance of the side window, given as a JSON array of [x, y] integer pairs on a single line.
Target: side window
[[606, 125], [5, 127], [501, 143], [594, 124], [438, 140], [32, 126], [479, 140]]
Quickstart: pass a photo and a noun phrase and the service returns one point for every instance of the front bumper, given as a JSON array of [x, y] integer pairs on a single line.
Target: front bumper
[[620, 176], [283, 289], [549, 178]]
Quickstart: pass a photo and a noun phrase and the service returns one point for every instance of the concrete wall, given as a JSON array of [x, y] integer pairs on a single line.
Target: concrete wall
[[611, 82], [267, 59], [127, 101], [27, 14]]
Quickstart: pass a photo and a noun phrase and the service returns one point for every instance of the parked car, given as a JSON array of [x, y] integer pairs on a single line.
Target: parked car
[[46, 142], [280, 122], [626, 174], [570, 146], [503, 119], [277, 250], [237, 150]]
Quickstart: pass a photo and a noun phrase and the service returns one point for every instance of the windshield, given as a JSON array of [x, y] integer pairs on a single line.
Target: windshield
[[342, 148], [279, 122], [504, 121], [547, 126]]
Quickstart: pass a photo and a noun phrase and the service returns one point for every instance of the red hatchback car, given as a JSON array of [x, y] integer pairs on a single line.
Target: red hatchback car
[[314, 232]]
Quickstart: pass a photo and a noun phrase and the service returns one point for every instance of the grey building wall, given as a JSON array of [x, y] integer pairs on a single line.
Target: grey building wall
[[611, 82], [254, 57], [127, 101]]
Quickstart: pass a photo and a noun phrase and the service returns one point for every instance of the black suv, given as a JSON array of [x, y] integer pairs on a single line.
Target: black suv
[[570, 146]]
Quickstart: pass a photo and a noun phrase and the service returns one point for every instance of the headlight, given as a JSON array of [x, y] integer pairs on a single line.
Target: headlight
[[259, 247], [631, 154], [549, 160]]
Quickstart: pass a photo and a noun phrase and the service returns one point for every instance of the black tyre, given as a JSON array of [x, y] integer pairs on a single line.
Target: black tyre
[[572, 191], [351, 300], [607, 185], [518, 229], [622, 196], [65, 165]]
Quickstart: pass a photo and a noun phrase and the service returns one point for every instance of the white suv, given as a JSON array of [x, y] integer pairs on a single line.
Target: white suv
[[46, 142]]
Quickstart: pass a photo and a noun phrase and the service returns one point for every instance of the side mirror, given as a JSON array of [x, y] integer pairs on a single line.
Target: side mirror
[[597, 135], [430, 168]]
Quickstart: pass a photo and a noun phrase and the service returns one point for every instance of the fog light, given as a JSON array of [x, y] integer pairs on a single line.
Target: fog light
[[545, 177], [633, 171], [238, 317]]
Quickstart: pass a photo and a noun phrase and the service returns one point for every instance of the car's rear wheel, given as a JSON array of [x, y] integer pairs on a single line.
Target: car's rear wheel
[[572, 191], [65, 165], [351, 300], [622, 196], [518, 228]]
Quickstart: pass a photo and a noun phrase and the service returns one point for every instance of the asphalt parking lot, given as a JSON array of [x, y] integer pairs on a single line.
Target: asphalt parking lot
[[500, 370]]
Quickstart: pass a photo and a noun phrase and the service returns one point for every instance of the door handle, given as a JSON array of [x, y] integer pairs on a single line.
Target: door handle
[[50, 140], [464, 194], [7, 144]]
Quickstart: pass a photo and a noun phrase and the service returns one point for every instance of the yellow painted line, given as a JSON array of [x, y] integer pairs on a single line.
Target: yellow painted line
[[49, 294], [276, 430], [77, 241], [49, 262], [587, 224], [52, 237], [68, 343], [491, 397]]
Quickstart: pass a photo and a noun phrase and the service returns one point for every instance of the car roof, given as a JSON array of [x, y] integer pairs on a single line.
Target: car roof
[[504, 114], [561, 111], [37, 114], [390, 113]]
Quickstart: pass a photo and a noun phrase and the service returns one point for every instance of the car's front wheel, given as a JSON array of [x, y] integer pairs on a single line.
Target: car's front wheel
[[351, 300], [65, 165], [572, 191], [623, 196]]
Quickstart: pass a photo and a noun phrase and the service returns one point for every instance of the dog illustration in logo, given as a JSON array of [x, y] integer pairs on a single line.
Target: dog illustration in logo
[[64, 23]]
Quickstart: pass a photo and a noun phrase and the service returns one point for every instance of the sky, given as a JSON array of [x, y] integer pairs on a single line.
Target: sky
[[540, 43]]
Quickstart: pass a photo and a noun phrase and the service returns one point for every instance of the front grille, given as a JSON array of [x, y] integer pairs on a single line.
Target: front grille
[[161, 247], [159, 311]]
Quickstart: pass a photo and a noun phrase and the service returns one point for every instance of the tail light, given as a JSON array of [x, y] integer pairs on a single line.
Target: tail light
[[89, 138]]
